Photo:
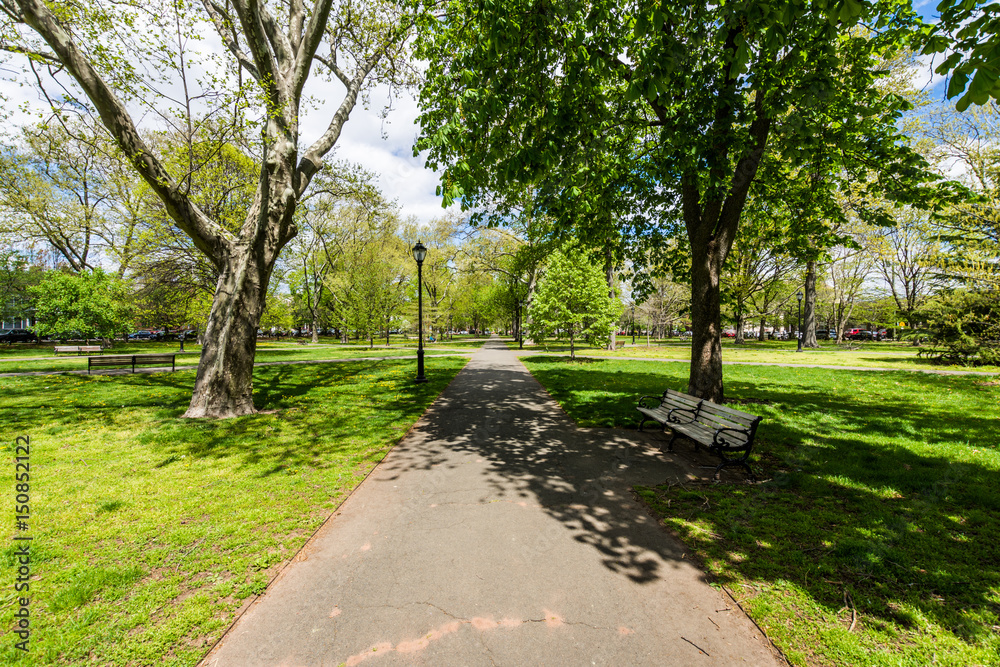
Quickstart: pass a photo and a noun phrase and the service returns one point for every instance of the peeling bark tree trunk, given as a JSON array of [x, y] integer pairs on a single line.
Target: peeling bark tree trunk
[[224, 384], [809, 312]]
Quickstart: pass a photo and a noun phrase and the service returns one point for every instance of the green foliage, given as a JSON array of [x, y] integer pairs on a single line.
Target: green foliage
[[92, 304], [969, 32], [377, 283], [964, 328], [277, 311], [572, 300], [16, 278]]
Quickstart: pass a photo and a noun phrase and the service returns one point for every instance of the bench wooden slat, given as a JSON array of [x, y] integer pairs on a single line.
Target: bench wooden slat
[[132, 360], [728, 413], [678, 398], [111, 360], [719, 422]]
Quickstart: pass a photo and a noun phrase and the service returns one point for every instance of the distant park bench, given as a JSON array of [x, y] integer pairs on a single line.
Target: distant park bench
[[723, 430], [132, 360], [77, 348]]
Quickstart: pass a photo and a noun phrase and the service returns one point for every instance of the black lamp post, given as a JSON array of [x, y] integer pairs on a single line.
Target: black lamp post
[[419, 253], [798, 331], [520, 324], [633, 325]]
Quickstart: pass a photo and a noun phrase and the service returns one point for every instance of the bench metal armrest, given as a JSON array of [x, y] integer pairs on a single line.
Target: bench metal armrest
[[655, 398], [691, 415], [718, 442]]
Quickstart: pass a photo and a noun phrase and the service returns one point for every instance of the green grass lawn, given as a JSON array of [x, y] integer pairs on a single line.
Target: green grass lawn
[[870, 355], [151, 531], [265, 353], [881, 505]]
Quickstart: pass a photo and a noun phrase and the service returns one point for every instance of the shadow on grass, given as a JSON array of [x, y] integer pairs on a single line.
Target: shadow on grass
[[320, 411], [875, 487]]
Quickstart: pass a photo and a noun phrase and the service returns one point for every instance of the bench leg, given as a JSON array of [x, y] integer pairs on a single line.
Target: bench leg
[[670, 443], [732, 462]]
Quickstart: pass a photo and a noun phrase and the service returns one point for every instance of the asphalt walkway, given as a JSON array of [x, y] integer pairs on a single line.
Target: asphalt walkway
[[497, 533]]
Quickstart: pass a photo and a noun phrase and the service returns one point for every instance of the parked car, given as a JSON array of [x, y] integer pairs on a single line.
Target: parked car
[[17, 336], [687, 334], [189, 334], [859, 334], [140, 335], [729, 333]]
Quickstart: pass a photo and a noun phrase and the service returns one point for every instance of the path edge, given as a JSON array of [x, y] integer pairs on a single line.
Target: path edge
[[204, 660]]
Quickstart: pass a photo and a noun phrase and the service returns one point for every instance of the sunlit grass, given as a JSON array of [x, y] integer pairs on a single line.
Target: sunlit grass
[[264, 354], [151, 531], [883, 496], [871, 355]]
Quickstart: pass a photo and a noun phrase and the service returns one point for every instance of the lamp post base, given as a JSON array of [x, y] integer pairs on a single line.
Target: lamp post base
[[420, 367]]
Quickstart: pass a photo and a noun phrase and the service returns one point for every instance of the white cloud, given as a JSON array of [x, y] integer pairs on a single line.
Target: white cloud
[[382, 146]]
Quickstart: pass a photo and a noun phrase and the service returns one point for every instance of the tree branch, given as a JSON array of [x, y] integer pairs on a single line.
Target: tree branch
[[296, 19], [44, 56], [224, 26], [312, 161], [310, 43], [211, 238], [280, 45], [267, 67], [331, 64]]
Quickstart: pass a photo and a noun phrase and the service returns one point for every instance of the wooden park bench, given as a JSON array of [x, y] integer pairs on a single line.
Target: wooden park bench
[[78, 348], [132, 360], [725, 431]]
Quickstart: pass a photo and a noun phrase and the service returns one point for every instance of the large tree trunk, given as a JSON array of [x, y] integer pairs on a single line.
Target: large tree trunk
[[610, 273], [809, 313], [711, 228], [224, 383], [705, 380], [315, 327], [739, 326]]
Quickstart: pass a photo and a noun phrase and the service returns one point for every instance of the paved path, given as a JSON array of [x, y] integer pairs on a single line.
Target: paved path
[[497, 533]]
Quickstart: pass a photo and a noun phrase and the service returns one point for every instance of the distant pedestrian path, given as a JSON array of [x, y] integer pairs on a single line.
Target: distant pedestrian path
[[497, 533]]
